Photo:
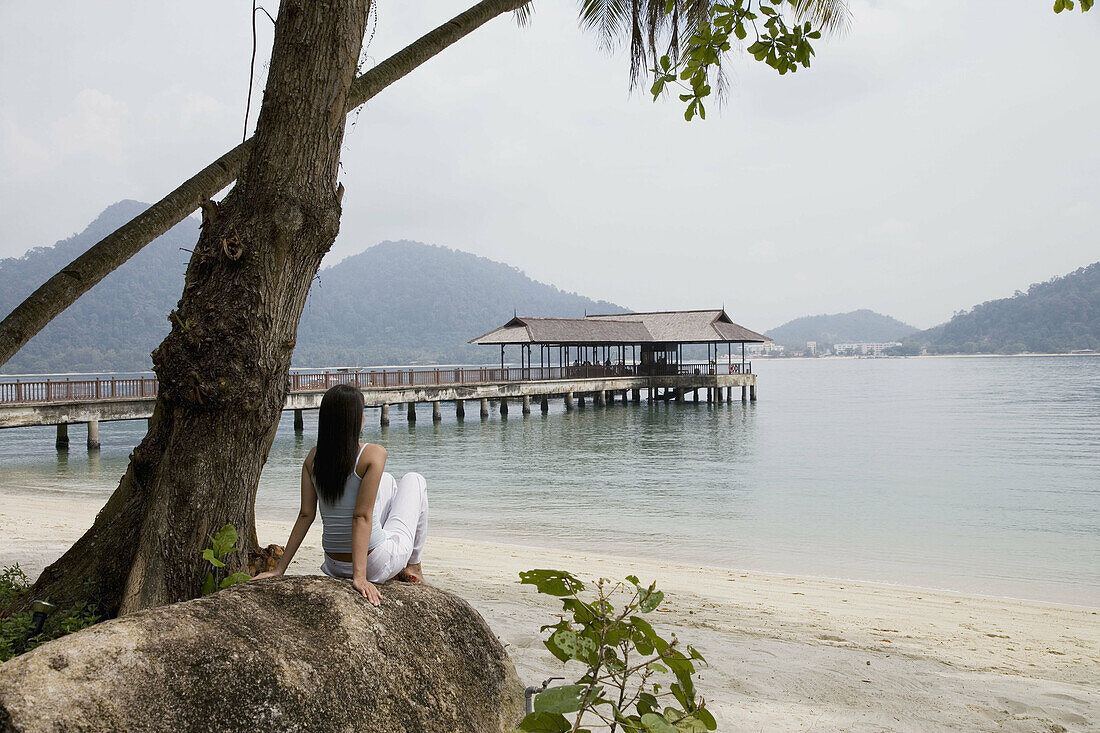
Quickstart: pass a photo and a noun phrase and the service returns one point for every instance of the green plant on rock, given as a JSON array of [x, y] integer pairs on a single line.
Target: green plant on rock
[[635, 680], [17, 628], [221, 544]]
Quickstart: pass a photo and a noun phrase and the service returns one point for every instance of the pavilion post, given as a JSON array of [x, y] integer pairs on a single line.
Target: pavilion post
[[460, 409], [569, 401], [385, 419], [526, 404], [437, 414], [503, 406], [410, 412], [62, 441], [544, 404], [299, 422], [484, 408]]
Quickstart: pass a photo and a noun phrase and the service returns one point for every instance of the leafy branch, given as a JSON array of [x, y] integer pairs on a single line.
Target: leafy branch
[[1060, 5], [781, 45]]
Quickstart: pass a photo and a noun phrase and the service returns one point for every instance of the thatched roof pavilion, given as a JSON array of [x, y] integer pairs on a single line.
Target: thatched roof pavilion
[[657, 337]]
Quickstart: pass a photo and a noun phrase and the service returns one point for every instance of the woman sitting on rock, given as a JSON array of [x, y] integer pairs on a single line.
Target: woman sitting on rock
[[374, 526]]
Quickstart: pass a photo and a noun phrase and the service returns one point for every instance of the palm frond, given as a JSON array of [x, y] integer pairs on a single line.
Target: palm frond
[[831, 16], [649, 32], [609, 20], [523, 14]]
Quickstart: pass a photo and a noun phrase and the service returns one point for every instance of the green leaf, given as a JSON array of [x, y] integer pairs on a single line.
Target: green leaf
[[209, 585], [573, 644], [224, 541], [563, 699], [552, 582], [545, 723], [656, 723], [234, 579], [208, 555], [651, 599], [703, 716]]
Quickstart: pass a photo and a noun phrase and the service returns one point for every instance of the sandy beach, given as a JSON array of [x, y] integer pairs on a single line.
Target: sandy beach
[[786, 652]]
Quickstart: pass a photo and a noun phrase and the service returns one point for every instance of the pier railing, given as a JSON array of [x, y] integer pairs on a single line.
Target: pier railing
[[88, 390], [77, 390], [714, 369]]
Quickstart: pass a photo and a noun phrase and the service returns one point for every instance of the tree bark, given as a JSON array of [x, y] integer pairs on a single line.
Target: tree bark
[[223, 368], [110, 253]]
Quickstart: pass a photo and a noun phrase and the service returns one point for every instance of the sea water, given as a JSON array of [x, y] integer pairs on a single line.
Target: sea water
[[979, 475]]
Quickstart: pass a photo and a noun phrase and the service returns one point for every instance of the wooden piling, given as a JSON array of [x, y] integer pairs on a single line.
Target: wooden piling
[[93, 435], [437, 414], [411, 412], [385, 419], [299, 421], [62, 442]]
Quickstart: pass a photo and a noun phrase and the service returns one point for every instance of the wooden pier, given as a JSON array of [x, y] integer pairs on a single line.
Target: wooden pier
[[601, 358], [62, 402]]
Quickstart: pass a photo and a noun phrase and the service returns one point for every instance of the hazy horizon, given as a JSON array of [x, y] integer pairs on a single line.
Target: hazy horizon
[[921, 167]]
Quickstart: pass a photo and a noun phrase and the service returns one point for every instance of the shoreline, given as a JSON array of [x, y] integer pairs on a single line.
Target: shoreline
[[433, 365], [786, 652]]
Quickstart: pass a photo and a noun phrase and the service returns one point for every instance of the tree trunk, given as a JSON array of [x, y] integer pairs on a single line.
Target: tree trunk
[[223, 368], [111, 252]]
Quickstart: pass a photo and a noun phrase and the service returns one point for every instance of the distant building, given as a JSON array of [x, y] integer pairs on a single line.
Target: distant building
[[769, 348], [811, 346], [865, 349]]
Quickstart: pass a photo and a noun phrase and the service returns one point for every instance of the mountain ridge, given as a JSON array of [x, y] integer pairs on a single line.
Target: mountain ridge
[[862, 325]]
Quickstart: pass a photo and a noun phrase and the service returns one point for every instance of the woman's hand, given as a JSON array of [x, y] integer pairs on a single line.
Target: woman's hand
[[368, 590], [268, 574]]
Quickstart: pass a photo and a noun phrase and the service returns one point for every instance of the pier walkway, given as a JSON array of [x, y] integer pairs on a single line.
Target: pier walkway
[[61, 402]]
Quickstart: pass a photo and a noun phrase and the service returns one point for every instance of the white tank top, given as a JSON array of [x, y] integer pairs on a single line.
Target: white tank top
[[336, 516]]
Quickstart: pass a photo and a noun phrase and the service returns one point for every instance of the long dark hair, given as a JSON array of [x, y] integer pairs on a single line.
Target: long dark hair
[[338, 424]]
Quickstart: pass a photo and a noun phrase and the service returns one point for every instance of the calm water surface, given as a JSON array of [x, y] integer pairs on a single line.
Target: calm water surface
[[978, 475]]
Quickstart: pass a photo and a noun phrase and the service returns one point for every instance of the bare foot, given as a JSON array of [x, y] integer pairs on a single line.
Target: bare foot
[[411, 574]]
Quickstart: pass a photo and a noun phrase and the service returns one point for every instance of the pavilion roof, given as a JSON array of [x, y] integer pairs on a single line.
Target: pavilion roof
[[683, 327]]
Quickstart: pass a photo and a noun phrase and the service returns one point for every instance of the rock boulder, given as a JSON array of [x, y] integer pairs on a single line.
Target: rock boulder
[[300, 653]]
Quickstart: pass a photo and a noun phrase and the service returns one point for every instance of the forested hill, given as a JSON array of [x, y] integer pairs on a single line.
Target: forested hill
[[117, 323], [858, 326], [397, 302], [407, 302], [1057, 316]]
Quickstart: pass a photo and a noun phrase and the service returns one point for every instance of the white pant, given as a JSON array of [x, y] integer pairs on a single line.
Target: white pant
[[402, 508]]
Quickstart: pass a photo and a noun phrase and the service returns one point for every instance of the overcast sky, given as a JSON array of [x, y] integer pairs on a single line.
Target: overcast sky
[[928, 161]]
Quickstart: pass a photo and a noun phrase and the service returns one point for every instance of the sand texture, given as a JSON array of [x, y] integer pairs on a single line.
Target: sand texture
[[786, 653]]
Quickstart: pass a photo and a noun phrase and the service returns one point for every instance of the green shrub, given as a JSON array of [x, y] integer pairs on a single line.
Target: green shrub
[[627, 662], [15, 628]]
